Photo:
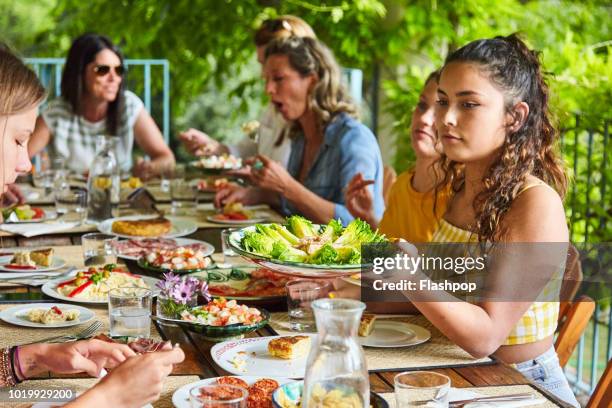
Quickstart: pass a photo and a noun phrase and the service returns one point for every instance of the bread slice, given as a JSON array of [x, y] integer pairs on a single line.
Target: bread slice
[[289, 347], [42, 257], [155, 227], [366, 325]]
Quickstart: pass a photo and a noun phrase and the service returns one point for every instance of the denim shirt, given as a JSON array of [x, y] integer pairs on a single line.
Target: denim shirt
[[348, 148]]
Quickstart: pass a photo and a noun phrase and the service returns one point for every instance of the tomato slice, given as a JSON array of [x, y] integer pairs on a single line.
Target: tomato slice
[[38, 213], [15, 266]]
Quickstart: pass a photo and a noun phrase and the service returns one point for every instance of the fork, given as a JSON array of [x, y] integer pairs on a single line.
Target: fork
[[498, 398], [83, 334]]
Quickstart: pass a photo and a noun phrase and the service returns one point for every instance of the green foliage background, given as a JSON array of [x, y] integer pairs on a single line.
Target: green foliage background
[[215, 84]]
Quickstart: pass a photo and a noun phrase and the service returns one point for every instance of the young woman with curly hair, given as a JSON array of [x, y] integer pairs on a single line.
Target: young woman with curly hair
[[500, 158]]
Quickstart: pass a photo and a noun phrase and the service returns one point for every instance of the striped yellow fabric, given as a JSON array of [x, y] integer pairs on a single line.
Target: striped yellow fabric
[[540, 320]]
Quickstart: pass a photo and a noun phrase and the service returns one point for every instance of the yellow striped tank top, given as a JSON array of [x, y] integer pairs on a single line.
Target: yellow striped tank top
[[540, 320]]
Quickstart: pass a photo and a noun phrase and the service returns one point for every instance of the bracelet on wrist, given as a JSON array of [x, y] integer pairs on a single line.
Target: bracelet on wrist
[[7, 376]]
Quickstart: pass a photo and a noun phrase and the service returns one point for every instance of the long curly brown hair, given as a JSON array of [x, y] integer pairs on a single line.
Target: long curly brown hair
[[530, 150]]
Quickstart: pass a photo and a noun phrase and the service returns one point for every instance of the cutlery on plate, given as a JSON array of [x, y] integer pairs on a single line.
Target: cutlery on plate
[[497, 398], [83, 334]]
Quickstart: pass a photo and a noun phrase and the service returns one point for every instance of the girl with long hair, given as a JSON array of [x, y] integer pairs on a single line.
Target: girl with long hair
[[20, 95], [500, 158]]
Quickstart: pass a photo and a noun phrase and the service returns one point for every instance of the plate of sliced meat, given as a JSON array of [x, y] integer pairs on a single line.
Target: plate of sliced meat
[[133, 249]]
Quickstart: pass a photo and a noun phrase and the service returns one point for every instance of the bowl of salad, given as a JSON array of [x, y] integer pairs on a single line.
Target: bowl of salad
[[221, 319], [301, 248]]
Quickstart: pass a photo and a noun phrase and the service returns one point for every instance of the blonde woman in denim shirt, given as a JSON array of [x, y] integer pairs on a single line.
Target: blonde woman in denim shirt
[[329, 146]]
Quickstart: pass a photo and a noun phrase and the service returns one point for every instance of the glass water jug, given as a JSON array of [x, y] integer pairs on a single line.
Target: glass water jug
[[336, 369], [103, 184]]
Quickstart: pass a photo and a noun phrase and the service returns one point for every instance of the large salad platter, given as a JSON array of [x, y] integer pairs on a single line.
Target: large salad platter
[[300, 248]]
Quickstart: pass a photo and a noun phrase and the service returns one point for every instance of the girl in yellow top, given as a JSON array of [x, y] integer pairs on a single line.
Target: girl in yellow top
[[413, 210], [493, 119]]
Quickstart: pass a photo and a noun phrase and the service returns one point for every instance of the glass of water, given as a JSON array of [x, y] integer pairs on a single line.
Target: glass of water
[[227, 250], [421, 388], [184, 196], [300, 294], [129, 309], [44, 179], [72, 204], [99, 249]]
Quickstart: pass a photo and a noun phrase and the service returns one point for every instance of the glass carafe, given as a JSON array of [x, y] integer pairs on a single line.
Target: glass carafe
[[103, 184], [336, 363]]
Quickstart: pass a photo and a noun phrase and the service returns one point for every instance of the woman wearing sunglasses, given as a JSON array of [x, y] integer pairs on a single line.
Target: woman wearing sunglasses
[[94, 102]]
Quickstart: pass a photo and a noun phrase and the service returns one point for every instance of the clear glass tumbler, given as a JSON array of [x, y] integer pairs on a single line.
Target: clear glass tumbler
[[129, 309], [300, 295], [421, 388]]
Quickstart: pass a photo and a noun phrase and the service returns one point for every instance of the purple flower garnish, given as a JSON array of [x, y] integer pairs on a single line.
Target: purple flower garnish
[[183, 291]]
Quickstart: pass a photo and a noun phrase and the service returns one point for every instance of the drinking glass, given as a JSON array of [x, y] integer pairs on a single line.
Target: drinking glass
[[184, 195], [72, 204], [227, 250], [129, 309], [421, 388], [218, 396], [166, 175], [99, 249], [44, 179], [300, 294]]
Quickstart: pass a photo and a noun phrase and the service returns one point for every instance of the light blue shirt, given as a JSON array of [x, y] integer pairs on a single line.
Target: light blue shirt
[[348, 148]]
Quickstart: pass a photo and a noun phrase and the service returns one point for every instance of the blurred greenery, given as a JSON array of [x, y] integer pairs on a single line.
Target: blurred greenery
[[215, 84]]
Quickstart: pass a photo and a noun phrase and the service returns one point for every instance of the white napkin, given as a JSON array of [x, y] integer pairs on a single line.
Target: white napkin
[[32, 230], [459, 394]]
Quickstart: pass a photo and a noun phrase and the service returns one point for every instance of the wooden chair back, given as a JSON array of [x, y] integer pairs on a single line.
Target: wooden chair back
[[389, 177], [572, 278], [602, 396], [576, 320]]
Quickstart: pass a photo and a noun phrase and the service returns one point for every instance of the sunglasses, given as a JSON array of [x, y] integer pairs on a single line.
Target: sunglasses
[[102, 70]]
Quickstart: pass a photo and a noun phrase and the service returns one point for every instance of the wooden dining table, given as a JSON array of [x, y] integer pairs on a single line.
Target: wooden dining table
[[199, 362]]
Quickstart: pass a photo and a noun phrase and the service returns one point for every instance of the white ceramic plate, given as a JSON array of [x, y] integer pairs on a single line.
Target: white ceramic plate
[[388, 333], [253, 220], [180, 398], [207, 248], [48, 215], [17, 315], [179, 227], [258, 362], [57, 263], [50, 289]]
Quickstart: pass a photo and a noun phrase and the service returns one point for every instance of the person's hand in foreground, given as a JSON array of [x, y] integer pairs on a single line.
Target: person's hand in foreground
[[88, 356], [136, 382], [200, 144]]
